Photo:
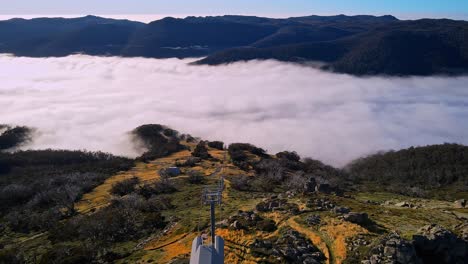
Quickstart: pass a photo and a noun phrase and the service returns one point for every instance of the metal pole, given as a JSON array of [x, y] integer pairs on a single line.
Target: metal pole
[[212, 222]]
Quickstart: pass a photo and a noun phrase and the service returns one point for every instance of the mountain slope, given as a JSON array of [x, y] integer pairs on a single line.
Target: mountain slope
[[82, 207], [359, 45]]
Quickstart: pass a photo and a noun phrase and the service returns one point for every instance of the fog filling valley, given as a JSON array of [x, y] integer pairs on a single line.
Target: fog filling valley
[[84, 102]]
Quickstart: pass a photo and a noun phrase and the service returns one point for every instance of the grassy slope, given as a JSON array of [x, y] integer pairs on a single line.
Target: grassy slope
[[330, 237], [190, 218]]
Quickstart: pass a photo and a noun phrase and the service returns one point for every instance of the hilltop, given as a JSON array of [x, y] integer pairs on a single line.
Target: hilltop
[[358, 45], [75, 207]]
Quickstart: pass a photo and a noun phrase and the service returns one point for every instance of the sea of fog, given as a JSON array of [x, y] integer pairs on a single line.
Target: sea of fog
[[84, 102]]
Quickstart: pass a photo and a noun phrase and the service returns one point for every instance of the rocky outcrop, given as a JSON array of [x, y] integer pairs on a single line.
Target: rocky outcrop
[[320, 204], [434, 244], [313, 220], [290, 247], [357, 218], [249, 220], [393, 249]]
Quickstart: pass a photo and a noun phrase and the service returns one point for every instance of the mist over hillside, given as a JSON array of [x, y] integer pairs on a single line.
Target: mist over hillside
[[84, 102]]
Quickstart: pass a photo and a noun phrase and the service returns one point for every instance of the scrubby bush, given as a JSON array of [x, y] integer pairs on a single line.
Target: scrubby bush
[[125, 187], [236, 147], [159, 140], [136, 201], [118, 222], [68, 254], [195, 177], [14, 136], [12, 256], [292, 156], [162, 186], [237, 152], [296, 182], [240, 182], [201, 151], [262, 184], [190, 162], [216, 145]]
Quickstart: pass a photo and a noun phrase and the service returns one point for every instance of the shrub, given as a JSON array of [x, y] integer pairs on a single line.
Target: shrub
[[135, 201], [216, 145], [190, 162], [262, 184], [195, 177], [240, 183], [159, 140], [296, 182], [125, 187], [235, 147], [14, 136], [292, 156], [201, 151], [163, 186]]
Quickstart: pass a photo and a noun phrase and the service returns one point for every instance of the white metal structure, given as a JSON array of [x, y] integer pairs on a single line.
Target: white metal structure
[[214, 253]]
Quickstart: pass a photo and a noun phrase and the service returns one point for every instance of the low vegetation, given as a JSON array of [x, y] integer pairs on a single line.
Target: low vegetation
[[93, 207], [159, 141], [11, 137]]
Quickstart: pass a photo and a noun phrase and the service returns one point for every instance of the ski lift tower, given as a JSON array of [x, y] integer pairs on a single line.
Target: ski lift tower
[[214, 253]]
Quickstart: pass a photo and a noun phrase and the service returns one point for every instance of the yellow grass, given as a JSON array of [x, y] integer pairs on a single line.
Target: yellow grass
[[237, 243], [314, 237], [338, 231], [100, 196]]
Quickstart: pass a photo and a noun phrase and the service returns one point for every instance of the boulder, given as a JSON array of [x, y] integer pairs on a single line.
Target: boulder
[[435, 244], [393, 249], [403, 204], [460, 203], [357, 218], [341, 210]]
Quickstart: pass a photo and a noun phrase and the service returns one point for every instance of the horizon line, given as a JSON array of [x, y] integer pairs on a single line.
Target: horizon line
[[147, 18]]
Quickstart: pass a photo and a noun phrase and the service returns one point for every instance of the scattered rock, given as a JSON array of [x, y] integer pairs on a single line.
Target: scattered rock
[[313, 220], [290, 247], [393, 249], [320, 204], [460, 203], [403, 204], [250, 220], [276, 204]]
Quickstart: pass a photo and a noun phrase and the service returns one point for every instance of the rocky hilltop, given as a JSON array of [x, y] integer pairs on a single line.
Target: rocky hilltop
[[83, 207]]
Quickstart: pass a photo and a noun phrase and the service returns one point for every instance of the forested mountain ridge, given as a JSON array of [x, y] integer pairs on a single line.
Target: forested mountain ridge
[[360, 45]]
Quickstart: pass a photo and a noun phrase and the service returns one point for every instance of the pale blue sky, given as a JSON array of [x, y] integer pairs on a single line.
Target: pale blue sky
[[402, 8]]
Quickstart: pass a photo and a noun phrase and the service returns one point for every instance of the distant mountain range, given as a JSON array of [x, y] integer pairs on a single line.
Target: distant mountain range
[[359, 45]]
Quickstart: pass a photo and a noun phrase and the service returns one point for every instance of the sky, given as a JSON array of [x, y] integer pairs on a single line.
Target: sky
[[84, 102], [406, 9]]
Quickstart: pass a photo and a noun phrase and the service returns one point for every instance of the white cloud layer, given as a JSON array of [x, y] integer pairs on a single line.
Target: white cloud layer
[[83, 102]]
